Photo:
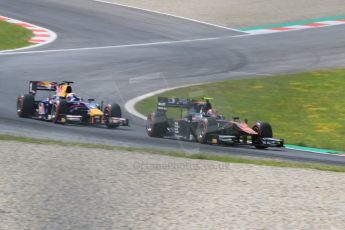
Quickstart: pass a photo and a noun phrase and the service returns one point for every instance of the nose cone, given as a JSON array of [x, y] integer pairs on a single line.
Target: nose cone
[[95, 112]]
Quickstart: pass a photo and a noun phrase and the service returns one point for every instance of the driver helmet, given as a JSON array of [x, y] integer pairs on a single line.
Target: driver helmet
[[72, 97], [212, 113], [206, 107]]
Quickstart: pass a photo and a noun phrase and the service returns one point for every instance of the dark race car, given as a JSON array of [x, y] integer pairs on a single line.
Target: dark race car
[[61, 105], [199, 122]]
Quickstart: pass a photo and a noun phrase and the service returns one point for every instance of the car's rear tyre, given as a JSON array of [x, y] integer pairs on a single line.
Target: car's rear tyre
[[157, 124], [201, 131], [204, 129], [263, 129], [58, 109], [26, 105], [184, 129], [112, 110]]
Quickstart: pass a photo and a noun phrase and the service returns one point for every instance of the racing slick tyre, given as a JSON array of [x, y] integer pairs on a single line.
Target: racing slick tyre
[[26, 105], [184, 129], [157, 124], [204, 128], [201, 131], [58, 109], [112, 110], [263, 129]]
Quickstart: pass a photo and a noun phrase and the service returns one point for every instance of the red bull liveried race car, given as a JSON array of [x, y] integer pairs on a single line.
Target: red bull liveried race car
[[198, 121], [61, 105]]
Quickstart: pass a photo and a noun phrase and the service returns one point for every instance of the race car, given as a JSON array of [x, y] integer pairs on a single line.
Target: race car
[[198, 121], [61, 105]]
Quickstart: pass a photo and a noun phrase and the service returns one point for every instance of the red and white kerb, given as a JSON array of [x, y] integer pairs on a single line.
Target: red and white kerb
[[297, 27], [41, 35]]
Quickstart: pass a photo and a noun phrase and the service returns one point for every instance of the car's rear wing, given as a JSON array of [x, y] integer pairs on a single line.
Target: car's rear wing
[[164, 103], [42, 85]]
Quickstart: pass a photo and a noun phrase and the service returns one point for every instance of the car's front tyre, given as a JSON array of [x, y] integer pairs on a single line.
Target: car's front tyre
[[263, 129], [112, 110]]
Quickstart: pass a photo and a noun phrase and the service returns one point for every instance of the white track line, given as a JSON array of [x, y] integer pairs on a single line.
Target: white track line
[[167, 14], [125, 46], [249, 34], [130, 105]]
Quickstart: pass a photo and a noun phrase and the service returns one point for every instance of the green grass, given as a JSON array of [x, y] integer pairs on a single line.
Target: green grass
[[12, 36], [306, 109], [199, 156]]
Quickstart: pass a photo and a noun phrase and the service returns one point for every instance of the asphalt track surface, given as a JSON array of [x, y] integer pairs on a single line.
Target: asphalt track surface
[[117, 53]]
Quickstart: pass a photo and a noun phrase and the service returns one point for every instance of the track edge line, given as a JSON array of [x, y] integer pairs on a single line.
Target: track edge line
[[170, 15]]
